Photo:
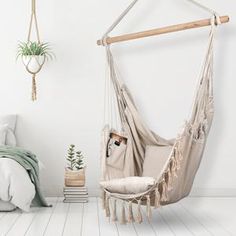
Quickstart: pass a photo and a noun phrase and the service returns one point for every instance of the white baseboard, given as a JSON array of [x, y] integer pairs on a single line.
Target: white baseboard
[[196, 192]]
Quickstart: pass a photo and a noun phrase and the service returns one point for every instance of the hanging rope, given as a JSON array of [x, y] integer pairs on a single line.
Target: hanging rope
[[34, 58], [117, 21], [33, 18]]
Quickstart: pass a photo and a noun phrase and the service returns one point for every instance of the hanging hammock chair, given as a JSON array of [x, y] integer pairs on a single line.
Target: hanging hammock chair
[[135, 152]]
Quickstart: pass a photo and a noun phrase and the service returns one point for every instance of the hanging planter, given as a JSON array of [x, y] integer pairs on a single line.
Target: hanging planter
[[33, 63], [34, 53]]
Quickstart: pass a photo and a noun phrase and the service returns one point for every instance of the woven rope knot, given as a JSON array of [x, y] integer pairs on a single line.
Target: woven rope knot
[[215, 20], [104, 41]]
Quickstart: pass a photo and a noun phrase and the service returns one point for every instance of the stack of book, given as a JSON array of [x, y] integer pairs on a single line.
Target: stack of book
[[75, 194]]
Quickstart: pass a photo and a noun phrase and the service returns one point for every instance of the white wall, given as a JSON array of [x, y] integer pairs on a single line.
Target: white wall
[[160, 71]]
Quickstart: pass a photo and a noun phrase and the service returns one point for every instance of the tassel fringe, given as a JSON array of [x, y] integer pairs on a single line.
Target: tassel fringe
[[103, 199], [139, 214], [157, 198], [123, 216], [130, 213], [108, 213], [114, 215], [149, 210], [174, 167], [164, 191], [170, 180]]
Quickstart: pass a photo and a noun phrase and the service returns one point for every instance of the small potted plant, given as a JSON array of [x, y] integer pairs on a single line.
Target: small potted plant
[[74, 172], [34, 55]]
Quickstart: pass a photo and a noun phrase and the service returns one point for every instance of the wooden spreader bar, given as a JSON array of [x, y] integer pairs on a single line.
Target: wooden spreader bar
[[164, 30]]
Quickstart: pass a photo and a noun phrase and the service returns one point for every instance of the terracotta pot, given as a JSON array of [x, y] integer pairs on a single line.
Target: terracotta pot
[[74, 178], [33, 63]]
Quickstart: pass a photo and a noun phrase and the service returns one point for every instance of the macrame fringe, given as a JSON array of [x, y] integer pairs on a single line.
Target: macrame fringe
[[177, 163], [180, 155], [114, 215], [179, 150], [34, 89], [139, 218], [103, 199], [123, 216], [157, 198], [130, 213], [149, 210], [174, 168], [107, 207], [164, 191], [170, 180]]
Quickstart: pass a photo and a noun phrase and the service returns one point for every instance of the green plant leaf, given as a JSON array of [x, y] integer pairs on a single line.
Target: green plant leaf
[[34, 49]]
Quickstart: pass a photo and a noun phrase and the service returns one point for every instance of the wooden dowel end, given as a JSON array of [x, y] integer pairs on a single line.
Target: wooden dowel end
[[164, 30]]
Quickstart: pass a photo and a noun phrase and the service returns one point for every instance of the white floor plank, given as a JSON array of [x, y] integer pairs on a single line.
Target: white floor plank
[[145, 228], [23, 222], [40, 221], [189, 221], [90, 226], [8, 221], [206, 216], [107, 228], [57, 220], [159, 224], [175, 224], [2, 214], [222, 211], [73, 224]]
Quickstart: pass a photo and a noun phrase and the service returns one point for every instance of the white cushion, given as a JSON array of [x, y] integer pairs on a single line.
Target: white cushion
[[10, 121], [155, 160], [128, 185]]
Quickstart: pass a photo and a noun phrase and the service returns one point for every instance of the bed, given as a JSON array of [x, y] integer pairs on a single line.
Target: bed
[[19, 171]]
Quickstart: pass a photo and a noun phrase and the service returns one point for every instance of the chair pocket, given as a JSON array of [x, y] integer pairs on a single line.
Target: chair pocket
[[116, 150]]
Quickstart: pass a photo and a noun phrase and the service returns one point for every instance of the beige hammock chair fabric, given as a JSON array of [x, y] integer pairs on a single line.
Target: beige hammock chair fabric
[[175, 177]]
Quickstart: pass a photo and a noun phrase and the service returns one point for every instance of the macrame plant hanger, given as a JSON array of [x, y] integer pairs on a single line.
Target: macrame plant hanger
[[40, 63]]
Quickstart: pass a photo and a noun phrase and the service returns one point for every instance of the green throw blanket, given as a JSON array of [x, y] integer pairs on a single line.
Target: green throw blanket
[[30, 163]]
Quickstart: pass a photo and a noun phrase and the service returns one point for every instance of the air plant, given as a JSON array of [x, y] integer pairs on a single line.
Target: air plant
[[34, 49]]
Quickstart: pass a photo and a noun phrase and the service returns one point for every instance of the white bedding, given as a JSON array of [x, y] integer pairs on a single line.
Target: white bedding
[[15, 184], [6, 206]]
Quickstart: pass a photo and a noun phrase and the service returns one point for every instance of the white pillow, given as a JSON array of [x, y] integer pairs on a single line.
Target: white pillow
[[10, 121], [128, 185], [3, 133]]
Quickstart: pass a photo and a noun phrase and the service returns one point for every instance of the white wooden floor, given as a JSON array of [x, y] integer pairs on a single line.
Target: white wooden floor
[[191, 216]]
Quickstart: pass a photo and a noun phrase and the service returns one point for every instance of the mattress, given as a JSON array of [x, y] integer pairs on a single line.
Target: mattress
[[6, 206]]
